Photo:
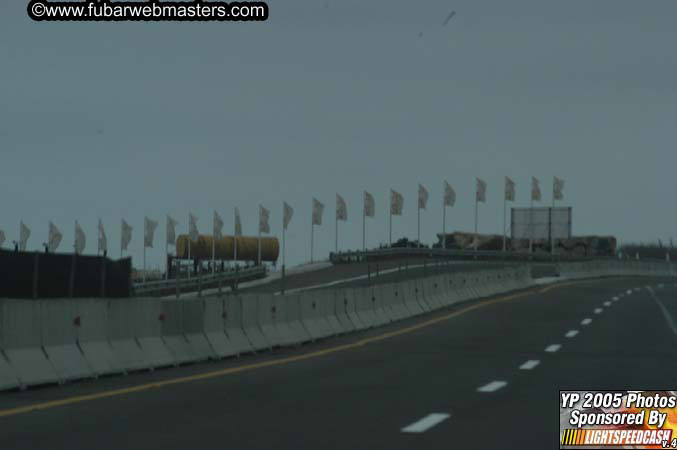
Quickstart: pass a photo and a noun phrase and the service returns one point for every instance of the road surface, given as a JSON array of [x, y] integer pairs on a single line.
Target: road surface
[[475, 376]]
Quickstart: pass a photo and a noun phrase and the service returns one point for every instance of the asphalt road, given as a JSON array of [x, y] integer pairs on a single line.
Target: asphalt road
[[360, 391]]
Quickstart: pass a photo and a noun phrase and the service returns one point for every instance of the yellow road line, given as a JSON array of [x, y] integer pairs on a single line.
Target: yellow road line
[[273, 362]]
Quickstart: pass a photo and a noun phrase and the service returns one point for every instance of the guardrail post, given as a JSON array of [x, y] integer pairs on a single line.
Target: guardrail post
[[177, 275]]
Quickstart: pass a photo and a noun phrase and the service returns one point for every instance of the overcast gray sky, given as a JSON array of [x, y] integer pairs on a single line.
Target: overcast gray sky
[[116, 120]]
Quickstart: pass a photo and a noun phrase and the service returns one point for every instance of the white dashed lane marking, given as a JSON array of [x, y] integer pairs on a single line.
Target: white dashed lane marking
[[530, 364], [598, 310], [552, 348], [586, 321], [607, 304], [426, 423], [493, 386], [571, 333]]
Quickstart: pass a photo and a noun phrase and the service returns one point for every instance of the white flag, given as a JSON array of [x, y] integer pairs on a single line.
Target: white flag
[[54, 238], [396, 203], [369, 204], [558, 188], [192, 228], [422, 197], [509, 189], [264, 217], [171, 230], [218, 226], [103, 240], [24, 234], [2, 238], [149, 227], [238, 222], [535, 190], [318, 210], [80, 240], [449, 195], [481, 192], [341, 208], [287, 213], [126, 235]]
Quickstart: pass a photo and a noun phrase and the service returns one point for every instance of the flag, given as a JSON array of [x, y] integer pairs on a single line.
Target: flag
[[341, 208], [287, 213], [218, 226], [481, 192], [149, 227], [264, 216], [171, 230], [2, 238], [238, 222], [80, 240], [192, 228], [369, 204], [54, 238], [318, 210], [396, 203], [422, 197], [535, 190], [558, 188], [126, 235], [24, 234], [509, 189], [449, 195], [103, 240]]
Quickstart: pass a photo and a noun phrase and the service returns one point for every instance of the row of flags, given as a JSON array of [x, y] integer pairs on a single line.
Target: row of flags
[[369, 210]]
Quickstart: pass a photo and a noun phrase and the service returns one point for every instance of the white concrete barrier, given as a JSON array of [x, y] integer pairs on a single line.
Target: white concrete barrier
[[348, 296], [121, 335], [394, 301], [341, 308], [92, 336], [327, 309], [292, 309], [420, 295], [315, 324], [408, 288], [250, 322], [364, 306], [267, 312], [171, 317], [193, 328], [234, 325], [215, 328], [59, 339], [20, 330], [148, 318], [382, 316], [287, 334]]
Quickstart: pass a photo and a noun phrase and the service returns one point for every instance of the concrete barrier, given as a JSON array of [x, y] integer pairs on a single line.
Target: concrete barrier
[[22, 343], [250, 322], [121, 335], [287, 334], [451, 294], [390, 293], [420, 295], [348, 297], [377, 302], [215, 328], [171, 319], [92, 337], [292, 311], [341, 308], [311, 317], [232, 312], [431, 292], [364, 306], [148, 319], [193, 328], [8, 377], [58, 321], [327, 309], [410, 301], [267, 313]]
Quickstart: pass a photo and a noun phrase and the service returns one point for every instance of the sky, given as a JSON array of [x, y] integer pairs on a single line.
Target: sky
[[126, 120]]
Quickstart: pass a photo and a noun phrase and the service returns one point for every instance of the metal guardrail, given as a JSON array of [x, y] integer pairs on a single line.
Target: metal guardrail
[[197, 283], [359, 256]]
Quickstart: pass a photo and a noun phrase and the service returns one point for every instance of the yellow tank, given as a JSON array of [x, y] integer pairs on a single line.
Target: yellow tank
[[247, 248]]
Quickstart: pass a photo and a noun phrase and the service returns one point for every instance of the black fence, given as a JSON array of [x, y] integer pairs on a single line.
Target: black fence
[[49, 275]]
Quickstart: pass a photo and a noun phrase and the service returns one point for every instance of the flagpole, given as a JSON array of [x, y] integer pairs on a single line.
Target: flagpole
[[213, 252], [390, 235], [444, 225], [552, 238], [504, 204], [166, 259], [336, 228], [531, 223], [418, 229], [312, 232], [476, 237], [259, 244], [364, 228], [144, 262], [190, 269]]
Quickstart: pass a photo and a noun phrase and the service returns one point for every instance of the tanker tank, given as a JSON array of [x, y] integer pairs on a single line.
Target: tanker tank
[[247, 248]]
